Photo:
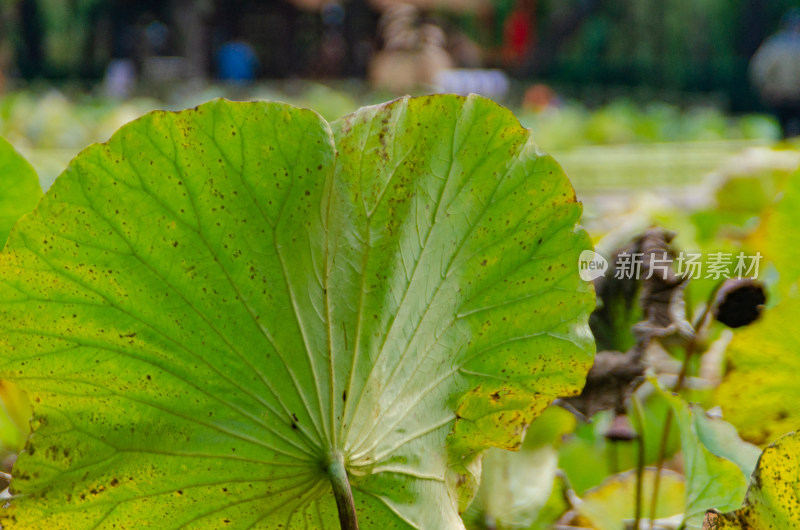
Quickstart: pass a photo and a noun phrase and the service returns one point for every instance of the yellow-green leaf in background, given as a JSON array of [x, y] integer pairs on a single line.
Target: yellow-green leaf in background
[[777, 238], [759, 393], [772, 501], [519, 489], [611, 504]]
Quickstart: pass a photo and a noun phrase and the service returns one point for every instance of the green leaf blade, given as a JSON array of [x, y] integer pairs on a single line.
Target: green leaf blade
[[759, 393], [209, 306], [455, 281], [19, 188], [191, 372], [711, 480], [772, 500]]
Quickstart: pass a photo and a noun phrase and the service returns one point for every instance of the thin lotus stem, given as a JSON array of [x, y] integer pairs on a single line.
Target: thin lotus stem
[[342, 492], [662, 445], [640, 460], [662, 450], [613, 457]]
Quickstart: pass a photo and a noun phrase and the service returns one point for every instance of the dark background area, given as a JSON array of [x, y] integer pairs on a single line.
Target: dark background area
[[586, 48]]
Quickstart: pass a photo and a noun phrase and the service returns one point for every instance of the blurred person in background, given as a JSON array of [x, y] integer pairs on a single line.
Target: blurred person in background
[[775, 72], [413, 51], [332, 53], [539, 98]]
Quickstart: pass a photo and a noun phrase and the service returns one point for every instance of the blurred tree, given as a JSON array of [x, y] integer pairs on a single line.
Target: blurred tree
[[7, 18], [566, 20], [190, 18], [682, 45], [30, 55]]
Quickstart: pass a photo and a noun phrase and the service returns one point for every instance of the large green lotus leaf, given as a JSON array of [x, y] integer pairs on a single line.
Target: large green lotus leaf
[[772, 500], [19, 188], [218, 304], [759, 393]]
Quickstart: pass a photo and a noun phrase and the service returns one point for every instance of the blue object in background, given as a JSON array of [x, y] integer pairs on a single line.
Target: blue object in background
[[237, 62]]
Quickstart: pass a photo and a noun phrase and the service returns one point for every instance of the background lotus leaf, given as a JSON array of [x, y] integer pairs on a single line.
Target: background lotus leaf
[[772, 500]]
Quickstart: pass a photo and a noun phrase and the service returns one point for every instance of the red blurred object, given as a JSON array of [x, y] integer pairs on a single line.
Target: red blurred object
[[520, 32]]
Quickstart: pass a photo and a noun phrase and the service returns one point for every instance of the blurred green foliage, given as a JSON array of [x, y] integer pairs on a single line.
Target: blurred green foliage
[[683, 45]]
